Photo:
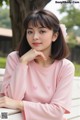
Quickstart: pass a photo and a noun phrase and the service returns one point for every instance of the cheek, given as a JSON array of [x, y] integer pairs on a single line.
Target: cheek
[[47, 43], [48, 40], [28, 39]]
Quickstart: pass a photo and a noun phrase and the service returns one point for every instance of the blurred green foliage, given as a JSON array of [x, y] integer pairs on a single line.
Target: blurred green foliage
[[4, 18], [6, 1], [72, 16], [2, 62], [77, 69]]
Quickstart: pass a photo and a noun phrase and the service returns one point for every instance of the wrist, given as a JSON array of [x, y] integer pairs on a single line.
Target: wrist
[[23, 61], [20, 105]]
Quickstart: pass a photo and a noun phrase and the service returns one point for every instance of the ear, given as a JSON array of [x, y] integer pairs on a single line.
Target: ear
[[55, 36]]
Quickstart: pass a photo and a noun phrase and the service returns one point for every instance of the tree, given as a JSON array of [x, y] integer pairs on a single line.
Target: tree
[[18, 11]]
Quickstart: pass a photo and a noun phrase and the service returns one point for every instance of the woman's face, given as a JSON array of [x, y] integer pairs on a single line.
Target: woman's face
[[40, 38]]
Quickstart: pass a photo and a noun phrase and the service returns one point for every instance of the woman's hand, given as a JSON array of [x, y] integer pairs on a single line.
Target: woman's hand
[[10, 103], [31, 55]]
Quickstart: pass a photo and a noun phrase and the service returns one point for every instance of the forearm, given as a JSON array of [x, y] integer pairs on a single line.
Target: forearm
[[10, 103], [14, 86]]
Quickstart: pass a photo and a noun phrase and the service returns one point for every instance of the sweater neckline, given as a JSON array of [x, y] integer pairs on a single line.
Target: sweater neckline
[[43, 68]]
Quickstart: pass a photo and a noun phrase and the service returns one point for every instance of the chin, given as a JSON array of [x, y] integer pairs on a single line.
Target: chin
[[38, 49]]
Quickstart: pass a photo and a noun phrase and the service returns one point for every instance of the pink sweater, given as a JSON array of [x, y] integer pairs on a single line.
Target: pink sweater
[[45, 91]]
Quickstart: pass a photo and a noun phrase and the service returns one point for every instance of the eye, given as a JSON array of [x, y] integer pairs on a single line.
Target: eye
[[29, 32], [42, 31]]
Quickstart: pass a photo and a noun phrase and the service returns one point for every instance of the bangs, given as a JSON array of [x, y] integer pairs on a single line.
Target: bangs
[[36, 20]]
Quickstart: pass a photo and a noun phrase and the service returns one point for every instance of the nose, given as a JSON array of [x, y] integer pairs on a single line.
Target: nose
[[36, 36]]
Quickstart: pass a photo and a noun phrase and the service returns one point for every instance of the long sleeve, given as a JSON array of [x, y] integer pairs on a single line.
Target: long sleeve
[[35, 111], [15, 74], [60, 102]]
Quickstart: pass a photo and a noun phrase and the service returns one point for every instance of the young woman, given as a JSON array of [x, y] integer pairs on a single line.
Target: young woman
[[38, 77]]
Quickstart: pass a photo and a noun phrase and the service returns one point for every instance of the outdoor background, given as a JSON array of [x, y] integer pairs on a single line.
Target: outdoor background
[[13, 12]]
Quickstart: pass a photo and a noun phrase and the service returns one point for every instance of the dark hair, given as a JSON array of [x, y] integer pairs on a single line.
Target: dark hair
[[59, 49]]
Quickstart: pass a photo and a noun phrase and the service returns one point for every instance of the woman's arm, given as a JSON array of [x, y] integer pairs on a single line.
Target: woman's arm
[[16, 73], [15, 77], [13, 83]]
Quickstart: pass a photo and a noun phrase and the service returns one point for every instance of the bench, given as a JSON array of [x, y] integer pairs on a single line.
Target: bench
[[75, 107], [2, 70]]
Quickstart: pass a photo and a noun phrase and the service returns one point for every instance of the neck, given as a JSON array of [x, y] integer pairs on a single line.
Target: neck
[[44, 63]]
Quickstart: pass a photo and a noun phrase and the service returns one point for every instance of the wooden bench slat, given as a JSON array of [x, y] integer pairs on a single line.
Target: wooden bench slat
[[75, 113], [75, 102], [17, 116], [75, 118]]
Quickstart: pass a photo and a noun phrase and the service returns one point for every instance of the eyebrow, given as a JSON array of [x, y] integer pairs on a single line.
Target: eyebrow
[[38, 27]]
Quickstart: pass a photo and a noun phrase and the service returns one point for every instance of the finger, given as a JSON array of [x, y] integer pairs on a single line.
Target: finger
[[1, 100], [2, 94], [43, 56], [39, 54], [2, 105]]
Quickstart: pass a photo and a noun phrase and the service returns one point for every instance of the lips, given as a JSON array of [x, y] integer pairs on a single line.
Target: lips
[[36, 44]]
